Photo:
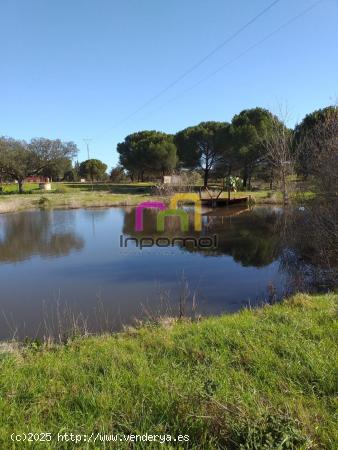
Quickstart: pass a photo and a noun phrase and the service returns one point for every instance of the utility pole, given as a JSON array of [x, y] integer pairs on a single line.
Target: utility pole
[[87, 141]]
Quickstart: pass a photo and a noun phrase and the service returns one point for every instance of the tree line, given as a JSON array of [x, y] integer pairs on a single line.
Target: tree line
[[47, 158], [256, 143], [244, 146]]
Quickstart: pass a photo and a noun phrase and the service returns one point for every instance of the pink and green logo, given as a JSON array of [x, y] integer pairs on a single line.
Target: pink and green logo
[[172, 211]]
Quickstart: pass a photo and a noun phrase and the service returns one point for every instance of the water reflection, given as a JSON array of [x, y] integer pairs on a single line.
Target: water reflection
[[248, 235], [262, 253], [46, 234], [309, 245], [303, 240]]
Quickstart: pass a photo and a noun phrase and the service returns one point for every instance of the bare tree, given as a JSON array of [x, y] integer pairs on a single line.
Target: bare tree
[[280, 153], [309, 243]]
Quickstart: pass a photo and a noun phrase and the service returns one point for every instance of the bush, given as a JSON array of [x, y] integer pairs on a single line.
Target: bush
[[44, 202], [192, 178], [61, 189]]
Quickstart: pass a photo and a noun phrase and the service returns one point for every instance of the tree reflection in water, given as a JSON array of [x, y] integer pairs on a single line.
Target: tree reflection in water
[[309, 245], [248, 235], [43, 233], [302, 240]]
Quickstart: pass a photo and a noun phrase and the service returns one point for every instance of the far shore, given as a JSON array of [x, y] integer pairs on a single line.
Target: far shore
[[105, 196], [21, 202]]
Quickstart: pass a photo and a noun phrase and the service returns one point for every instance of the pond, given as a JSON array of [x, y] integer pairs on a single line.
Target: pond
[[68, 268]]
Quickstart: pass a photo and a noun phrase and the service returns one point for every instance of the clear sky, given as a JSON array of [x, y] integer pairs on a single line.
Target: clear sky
[[75, 69]]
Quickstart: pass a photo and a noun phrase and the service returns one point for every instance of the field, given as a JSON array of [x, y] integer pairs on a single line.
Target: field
[[76, 195], [73, 196], [33, 188], [257, 379]]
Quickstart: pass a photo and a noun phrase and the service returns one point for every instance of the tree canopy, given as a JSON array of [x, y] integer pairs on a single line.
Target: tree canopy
[[94, 169], [250, 128], [117, 174], [312, 140], [19, 159], [198, 147], [147, 152], [59, 170]]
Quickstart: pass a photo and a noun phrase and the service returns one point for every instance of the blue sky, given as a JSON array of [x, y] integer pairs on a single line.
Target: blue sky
[[76, 69]]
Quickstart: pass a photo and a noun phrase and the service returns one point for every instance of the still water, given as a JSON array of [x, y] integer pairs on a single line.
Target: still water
[[68, 265]]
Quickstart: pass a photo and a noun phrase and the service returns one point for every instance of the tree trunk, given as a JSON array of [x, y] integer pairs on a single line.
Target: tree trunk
[[285, 190], [249, 182], [206, 177], [228, 185], [20, 183], [271, 179], [245, 178], [92, 178]]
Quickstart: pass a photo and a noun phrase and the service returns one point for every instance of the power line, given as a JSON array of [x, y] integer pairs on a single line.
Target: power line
[[228, 63], [200, 62]]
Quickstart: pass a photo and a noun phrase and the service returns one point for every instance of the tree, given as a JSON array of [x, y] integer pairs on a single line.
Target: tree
[[117, 174], [161, 156], [316, 140], [278, 144], [73, 173], [20, 160], [58, 170], [249, 129], [94, 169], [197, 147], [147, 152], [230, 161], [324, 142]]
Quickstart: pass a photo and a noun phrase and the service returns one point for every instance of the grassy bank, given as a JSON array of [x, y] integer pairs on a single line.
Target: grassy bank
[[67, 200], [73, 196], [259, 379], [118, 196]]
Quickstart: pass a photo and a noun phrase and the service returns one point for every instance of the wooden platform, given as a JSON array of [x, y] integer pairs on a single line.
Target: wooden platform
[[220, 201], [234, 211]]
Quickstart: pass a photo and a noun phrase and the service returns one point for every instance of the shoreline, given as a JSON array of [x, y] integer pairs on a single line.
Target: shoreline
[[299, 299], [11, 203], [24, 202], [264, 375]]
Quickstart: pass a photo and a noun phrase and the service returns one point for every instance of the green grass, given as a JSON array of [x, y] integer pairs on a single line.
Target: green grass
[[70, 195], [77, 195], [14, 188], [127, 188], [258, 379], [73, 195], [65, 200]]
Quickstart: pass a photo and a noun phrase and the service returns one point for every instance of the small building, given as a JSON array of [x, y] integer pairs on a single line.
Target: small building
[[172, 180], [36, 179]]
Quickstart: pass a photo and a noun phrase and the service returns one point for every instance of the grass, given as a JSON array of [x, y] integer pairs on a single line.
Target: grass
[[127, 188], [257, 379], [77, 195], [73, 195], [69, 200]]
